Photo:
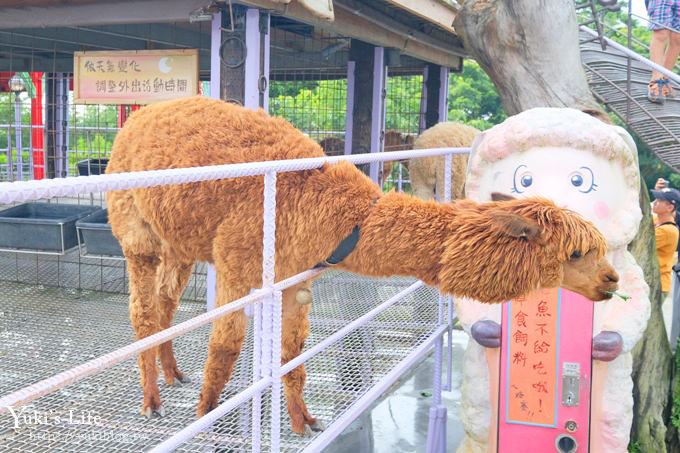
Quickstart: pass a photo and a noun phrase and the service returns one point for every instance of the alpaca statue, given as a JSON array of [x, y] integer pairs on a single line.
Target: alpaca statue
[[467, 248], [427, 173], [591, 168]]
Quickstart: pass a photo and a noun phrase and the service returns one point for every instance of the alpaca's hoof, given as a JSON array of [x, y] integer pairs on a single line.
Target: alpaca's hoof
[[181, 380], [150, 413], [185, 379], [307, 431], [303, 296], [318, 426]]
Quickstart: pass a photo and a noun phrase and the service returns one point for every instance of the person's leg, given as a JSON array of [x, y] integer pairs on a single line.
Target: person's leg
[[657, 55], [660, 13], [670, 58], [657, 50]]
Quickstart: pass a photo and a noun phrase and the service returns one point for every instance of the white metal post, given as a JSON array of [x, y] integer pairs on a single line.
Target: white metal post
[[270, 329]]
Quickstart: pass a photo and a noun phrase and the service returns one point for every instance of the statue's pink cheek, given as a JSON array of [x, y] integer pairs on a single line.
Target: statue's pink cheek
[[601, 210]]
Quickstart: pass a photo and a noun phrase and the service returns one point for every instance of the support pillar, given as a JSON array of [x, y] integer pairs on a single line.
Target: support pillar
[[434, 96], [56, 134], [363, 56]]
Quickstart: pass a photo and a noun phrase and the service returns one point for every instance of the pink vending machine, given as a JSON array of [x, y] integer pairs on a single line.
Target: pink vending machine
[[545, 373]]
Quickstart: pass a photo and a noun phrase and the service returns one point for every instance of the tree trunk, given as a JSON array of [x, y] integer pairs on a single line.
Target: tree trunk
[[530, 50], [652, 359]]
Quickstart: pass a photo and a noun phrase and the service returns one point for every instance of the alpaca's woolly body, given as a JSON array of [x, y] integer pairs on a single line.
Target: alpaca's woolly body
[[465, 248], [427, 173]]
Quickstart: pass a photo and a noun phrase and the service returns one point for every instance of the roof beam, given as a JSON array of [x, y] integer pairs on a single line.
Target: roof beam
[[437, 12], [58, 14], [356, 20]]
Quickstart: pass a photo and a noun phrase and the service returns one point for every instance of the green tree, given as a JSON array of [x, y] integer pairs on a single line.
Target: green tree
[[473, 99]]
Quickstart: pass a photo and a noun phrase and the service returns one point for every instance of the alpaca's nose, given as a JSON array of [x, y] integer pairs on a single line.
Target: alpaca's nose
[[611, 277]]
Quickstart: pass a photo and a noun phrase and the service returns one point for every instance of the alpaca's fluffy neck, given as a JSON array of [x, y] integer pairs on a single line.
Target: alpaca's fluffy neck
[[402, 236]]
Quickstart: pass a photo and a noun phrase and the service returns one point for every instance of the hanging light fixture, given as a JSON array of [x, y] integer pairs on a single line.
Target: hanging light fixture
[[16, 84]]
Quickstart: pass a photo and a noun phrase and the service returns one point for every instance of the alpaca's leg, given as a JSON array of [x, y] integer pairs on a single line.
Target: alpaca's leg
[[226, 339], [294, 331], [145, 320], [423, 178], [171, 279]]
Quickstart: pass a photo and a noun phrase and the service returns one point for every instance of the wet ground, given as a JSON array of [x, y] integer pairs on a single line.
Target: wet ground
[[398, 421]]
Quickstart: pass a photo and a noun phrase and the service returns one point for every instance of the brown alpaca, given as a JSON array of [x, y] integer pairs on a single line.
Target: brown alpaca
[[490, 252], [395, 141], [427, 173], [333, 146]]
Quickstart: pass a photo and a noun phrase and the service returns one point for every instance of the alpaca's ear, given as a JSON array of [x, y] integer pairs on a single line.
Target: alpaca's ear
[[497, 196], [515, 225]]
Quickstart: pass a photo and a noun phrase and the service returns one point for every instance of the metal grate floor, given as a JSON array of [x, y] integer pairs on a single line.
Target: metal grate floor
[[45, 330]]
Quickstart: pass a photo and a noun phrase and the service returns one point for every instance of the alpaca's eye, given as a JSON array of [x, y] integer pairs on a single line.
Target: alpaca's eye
[[583, 179], [522, 179], [575, 255]]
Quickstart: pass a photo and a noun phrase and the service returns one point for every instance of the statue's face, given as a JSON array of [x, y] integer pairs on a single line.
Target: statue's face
[[588, 184]]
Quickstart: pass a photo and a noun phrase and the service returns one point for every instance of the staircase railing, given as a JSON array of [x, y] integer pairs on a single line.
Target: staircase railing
[[618, 79]]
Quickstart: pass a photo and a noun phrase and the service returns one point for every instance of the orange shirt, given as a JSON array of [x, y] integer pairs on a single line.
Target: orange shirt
[[666, 243]]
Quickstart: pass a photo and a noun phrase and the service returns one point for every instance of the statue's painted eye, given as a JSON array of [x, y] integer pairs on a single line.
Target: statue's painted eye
[[583, 179], [575, 255], [521, 179]]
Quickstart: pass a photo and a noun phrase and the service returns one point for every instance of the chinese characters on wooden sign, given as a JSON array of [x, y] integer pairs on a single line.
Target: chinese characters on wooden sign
[[135, 76], [532, 358]]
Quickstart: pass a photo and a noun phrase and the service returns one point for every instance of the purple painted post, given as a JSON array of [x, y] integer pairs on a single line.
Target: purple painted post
[[265, 70], [349, 112], [443, 94], [215, 42], [377, 117], [252, 75], [17, 130], [422, 125]]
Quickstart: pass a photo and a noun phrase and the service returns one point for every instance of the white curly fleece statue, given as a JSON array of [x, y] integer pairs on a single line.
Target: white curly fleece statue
[[592, 168]]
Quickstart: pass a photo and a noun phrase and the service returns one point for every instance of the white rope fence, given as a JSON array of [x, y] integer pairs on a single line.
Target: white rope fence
[[267, 367], [20, 191]]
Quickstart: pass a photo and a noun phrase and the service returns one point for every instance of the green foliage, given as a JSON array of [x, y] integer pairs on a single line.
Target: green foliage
[[473, 99], [675, 410], [402, 103], [634, 447], [311, 107], [319, 106], [616, 28]]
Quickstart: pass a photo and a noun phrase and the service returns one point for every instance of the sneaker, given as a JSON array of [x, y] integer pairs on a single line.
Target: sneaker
[[655, 93], [666, 89]]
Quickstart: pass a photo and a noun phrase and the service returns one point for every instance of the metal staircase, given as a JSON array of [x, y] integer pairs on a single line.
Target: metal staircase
[[619, 81]]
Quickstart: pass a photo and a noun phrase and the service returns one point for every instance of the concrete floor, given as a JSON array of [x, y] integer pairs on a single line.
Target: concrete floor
[[398, 421]]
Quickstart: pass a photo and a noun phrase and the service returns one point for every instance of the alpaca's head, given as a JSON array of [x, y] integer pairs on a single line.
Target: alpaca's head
[[519, 246]]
